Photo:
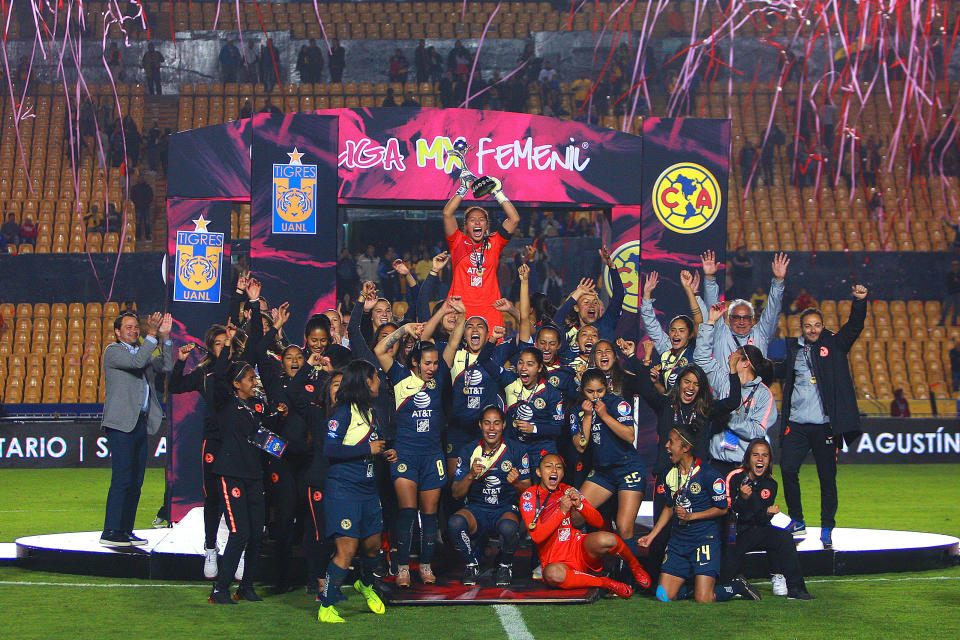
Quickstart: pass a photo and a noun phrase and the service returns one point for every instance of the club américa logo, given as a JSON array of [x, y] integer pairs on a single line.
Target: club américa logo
[[686, 198]]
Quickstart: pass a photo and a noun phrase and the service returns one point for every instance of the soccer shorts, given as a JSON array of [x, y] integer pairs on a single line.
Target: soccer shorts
[[573, 555], [698, 558], [536, 450], [428, 470], [488, 517], [351, 517], [627, 476]]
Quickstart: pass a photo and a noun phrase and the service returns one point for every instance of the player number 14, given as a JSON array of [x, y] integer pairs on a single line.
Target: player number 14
[[703, 553]]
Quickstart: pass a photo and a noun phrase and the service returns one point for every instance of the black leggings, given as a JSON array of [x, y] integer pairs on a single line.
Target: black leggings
[[288, 504], [244, 506], [212, 494], [316, 544], [781, 553], [798, 440]]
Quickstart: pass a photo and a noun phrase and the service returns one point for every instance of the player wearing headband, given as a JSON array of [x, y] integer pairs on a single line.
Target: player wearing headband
[[475, 252], [490, 473], [696, 497], [571, 559]]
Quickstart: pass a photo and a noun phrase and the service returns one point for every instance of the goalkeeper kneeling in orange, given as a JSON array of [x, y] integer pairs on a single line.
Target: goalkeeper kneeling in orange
[[570, 558]]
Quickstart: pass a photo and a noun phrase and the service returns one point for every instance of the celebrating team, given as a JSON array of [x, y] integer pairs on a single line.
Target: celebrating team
[[442, 420]]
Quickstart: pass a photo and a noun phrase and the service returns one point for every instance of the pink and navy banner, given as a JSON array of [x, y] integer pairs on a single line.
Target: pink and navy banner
[[400, 156]]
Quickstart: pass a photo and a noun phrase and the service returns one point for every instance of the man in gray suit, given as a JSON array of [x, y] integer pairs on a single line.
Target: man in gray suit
[[131, 411]]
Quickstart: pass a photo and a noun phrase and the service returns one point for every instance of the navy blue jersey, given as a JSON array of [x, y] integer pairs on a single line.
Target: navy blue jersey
[[703, 489], [349, 434], [542, 405], [420, 419], [563, 378], [473, 386], [492, 489], [608, 448]]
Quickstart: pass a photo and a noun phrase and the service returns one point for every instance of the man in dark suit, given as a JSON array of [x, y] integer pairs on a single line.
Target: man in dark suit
[[131, 411], [819, 410]]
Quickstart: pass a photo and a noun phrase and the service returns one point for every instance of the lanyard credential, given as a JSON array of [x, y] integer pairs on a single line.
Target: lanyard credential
[[539, 510]]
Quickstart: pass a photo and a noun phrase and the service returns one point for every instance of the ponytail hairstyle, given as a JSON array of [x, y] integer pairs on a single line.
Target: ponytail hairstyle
[[353, 386], [687, 435], [589, 375], [316, 321], [702, 402], [762, 367], [238, 369], [416, 356]]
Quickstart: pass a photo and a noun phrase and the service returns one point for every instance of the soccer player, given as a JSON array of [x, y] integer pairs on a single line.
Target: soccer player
[[819, 408], [696, 500], [604, 422], [571, 559], [753, 493], [417, 460], [583, 306], [351, 507], [475, 252], [491, 474], [676, 351]]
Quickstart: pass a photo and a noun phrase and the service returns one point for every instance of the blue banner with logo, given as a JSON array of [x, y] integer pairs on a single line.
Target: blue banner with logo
[[198, 264], [294, 206]]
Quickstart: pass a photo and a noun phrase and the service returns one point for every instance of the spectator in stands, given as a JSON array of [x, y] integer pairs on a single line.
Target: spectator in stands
[[803, 302], [113, 218], [548, 77], [421, 62], [141, 194], [163, 147], [11, 229], [152, 141], [766, 160], [458, 60], [367, 265], [435, 62], [3, 244], [741, 271], [446, 90], [675, 22], [246, 111], [553, 287], [115, 62], [387, 275], [759, 299], [581, 89], [303, 64], [315, 61], [952, 297], [132, 138], [249, 58], [94, 219], [151, 62], [747, 155], [819, 411], [338, 61], [390, 100], [955, 366], [410, 100], [876, 206], [269, 65], [399, 67], [269, 107], [899, 407], [28, 231], [347, 279], [230, 60], [131, 411]]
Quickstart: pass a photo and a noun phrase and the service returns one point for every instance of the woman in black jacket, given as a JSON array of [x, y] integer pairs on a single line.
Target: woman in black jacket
[[240, 414]]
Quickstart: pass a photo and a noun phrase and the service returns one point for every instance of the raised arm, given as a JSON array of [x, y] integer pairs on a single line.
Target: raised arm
[[767, 326], [649, 315], [587, 285], [450, 212], [118, 357], [456, 336], [711, 290], [525, 328], [430, 287], [703, 354], [358, 344], [851, 329], [691, 282], [382, 350], [430, 327], [608, 321], [513, 216]]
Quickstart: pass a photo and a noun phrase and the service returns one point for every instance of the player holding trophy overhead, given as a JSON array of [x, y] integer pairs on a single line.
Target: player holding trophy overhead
[[474, 251]]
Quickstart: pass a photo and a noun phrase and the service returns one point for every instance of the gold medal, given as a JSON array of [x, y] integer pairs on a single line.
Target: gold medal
[[532, 526], [813, 379], [583, 441]]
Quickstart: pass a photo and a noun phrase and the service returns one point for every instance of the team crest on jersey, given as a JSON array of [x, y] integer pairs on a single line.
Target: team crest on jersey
[[235, 492], [505, 466], [401, 467], [431, 384], [554, 380], [540, 403], [198, 264], [345, 523], [295, 196], [765, 493], [590, 475], [624, 408], [317, 496], [718, 486], [695, 488]]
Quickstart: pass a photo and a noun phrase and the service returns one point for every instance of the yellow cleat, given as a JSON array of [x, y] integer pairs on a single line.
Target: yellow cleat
[[373, 600], [329, 614]]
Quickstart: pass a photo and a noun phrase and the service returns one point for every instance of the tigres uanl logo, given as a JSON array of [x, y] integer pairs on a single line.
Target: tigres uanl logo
[[294, 196], [198, 264]]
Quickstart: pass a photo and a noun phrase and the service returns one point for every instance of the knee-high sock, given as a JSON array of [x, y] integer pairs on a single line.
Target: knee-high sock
[[683, 592], [428, 537], [723, 592], [367, 565], [458, 531], [331, 591], [405, 520], [578, 580], [510, 537]]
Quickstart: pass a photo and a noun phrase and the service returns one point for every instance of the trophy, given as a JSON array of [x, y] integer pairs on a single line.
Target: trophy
[[482, 185]]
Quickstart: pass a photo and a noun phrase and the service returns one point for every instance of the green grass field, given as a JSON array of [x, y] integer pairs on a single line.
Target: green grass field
[[903, 605]]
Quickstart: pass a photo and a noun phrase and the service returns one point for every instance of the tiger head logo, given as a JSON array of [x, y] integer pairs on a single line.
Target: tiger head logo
[[197, 273], [294, 204]]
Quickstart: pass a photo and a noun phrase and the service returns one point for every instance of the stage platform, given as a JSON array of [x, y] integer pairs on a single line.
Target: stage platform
[[176, 553]]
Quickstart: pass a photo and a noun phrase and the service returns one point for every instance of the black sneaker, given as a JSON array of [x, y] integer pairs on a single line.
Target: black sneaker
[[394, 565], [470, 574], [504, 575], [135, 540], [246, 592], [114, 538], [799, 594], [220, 597], [744, 589]]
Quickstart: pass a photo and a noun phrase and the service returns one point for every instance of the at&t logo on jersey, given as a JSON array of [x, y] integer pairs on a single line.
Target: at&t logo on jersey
[[524, 412], [472, 377], [421, 400], [198, 264], [294, 196]]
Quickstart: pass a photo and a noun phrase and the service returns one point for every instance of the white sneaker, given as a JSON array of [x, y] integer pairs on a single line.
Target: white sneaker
[[238, 576], [209, 564], [779, 584], [538, 572]]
